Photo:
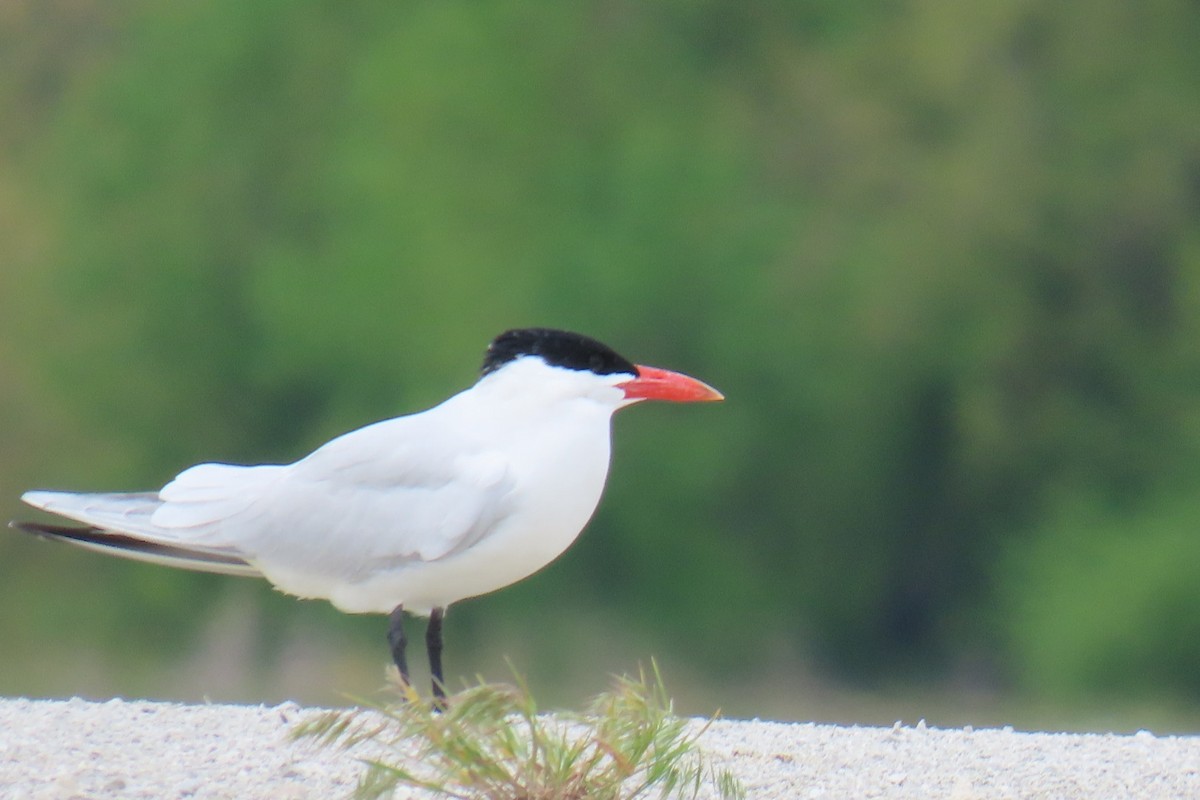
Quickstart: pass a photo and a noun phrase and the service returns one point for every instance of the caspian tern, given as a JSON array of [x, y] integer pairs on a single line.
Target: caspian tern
[[408, 514]]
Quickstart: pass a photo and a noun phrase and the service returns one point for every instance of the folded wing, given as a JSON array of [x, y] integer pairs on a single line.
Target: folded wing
[[118, 524], [377, 499]]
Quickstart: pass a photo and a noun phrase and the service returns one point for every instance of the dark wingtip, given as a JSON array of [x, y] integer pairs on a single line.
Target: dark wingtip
[[53, 531], [137, 549]]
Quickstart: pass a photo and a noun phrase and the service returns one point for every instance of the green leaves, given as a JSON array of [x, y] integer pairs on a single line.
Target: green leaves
[[491, 742]]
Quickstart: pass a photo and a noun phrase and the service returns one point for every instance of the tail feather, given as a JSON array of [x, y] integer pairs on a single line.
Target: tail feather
[[127, 512], [200, 559]]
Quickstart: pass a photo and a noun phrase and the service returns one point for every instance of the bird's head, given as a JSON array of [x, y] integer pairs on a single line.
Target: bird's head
[[582, 355]]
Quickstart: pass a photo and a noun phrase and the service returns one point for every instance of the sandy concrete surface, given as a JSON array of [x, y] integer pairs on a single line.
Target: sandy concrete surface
[[79, 750]]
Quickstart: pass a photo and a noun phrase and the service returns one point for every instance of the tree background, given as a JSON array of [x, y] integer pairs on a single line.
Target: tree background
[[943, 260]]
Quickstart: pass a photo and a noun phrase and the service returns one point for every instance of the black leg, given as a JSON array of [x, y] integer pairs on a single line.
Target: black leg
[[433, 643], [397, 641]]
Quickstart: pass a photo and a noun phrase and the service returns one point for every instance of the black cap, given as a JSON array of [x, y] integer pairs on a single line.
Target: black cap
[[558, 349]]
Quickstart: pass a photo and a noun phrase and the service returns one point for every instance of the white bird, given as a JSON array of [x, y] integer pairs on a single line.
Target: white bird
[[408, 514]]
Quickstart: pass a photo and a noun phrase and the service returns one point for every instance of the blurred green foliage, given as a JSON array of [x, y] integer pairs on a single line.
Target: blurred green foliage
[[1105, 601], [943, 259]]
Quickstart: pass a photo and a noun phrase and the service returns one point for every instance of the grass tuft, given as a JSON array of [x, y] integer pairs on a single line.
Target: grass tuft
[[491, 742]]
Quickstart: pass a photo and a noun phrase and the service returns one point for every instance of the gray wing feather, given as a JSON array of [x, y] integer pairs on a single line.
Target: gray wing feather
[[118, 524]]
